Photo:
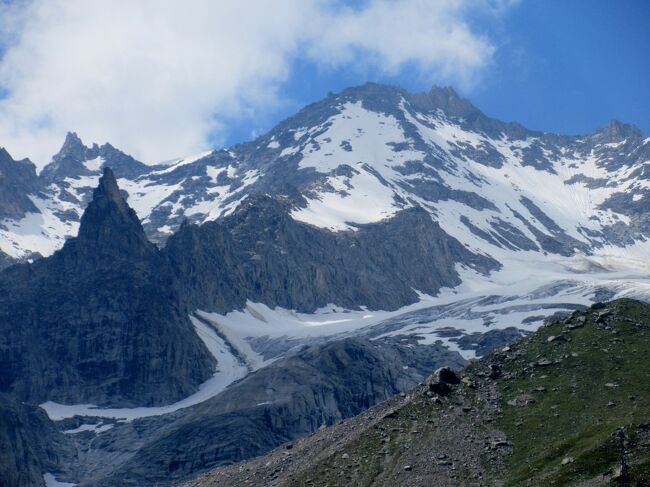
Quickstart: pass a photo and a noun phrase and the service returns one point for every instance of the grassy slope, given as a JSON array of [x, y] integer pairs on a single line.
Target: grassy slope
[[602, 382]]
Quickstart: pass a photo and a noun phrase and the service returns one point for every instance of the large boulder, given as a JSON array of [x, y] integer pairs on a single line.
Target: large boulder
[[441, 380]]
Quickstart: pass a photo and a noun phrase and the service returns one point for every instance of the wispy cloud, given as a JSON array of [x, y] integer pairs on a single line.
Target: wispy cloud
[[154, 77]]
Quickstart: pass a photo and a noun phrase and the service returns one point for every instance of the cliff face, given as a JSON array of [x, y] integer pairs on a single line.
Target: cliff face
[[101, 321], [262, 254]]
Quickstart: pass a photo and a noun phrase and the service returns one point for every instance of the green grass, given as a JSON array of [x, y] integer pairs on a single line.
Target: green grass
[[572, 418]]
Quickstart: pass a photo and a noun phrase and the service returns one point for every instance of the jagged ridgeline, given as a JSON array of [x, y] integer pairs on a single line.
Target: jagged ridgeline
[[358, 157]]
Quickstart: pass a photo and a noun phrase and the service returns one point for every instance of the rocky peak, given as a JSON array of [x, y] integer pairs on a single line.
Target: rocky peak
[[387, 98], [446, 99], [108, 189], [109, 222], [4, 156], [69, 161], [23, 169], [117, 330], [617, 131], [72, 147], [123, 164]]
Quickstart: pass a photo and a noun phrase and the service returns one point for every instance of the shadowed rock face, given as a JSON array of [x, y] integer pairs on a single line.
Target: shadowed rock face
[[30, 444], [100, 321], [5, 260], [262, 254], [17, 180]]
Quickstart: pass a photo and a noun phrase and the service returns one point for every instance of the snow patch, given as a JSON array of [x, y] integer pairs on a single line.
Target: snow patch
[[51, 481]]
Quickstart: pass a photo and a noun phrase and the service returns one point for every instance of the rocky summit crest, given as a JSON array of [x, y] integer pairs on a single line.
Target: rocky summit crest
[[110, 221]]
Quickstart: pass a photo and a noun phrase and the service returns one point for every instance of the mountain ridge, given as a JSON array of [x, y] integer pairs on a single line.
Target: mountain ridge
[[450, 130], [374, 224]]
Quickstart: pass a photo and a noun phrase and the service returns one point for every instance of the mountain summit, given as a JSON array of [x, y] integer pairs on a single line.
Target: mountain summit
[[364, 154], [109, 221]]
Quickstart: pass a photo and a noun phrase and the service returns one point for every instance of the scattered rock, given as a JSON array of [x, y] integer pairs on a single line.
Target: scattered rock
[[468, 382], [501, 443], [567, 460], [543, 363], [495, 371], [522, 400], [554, 338]]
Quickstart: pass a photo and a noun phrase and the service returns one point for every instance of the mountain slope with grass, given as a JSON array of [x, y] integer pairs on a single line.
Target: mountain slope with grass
[[543, 411]]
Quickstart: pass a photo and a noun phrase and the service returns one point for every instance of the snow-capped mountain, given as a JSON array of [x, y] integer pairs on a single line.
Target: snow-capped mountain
[[402, 223], [362, 156], [546, 221], [530, 209]]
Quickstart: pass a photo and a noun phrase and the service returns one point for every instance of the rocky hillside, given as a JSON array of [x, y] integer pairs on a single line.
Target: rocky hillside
[[545, 410]]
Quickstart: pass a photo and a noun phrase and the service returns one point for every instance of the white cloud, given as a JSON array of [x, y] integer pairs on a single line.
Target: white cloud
[[154, 77]]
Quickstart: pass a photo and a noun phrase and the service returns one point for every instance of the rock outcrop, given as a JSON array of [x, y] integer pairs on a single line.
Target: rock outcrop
[[17, 181]]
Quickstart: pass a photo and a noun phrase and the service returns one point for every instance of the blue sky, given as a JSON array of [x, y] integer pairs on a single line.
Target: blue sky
[[163, 78], [564, 66], [570, 66]]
